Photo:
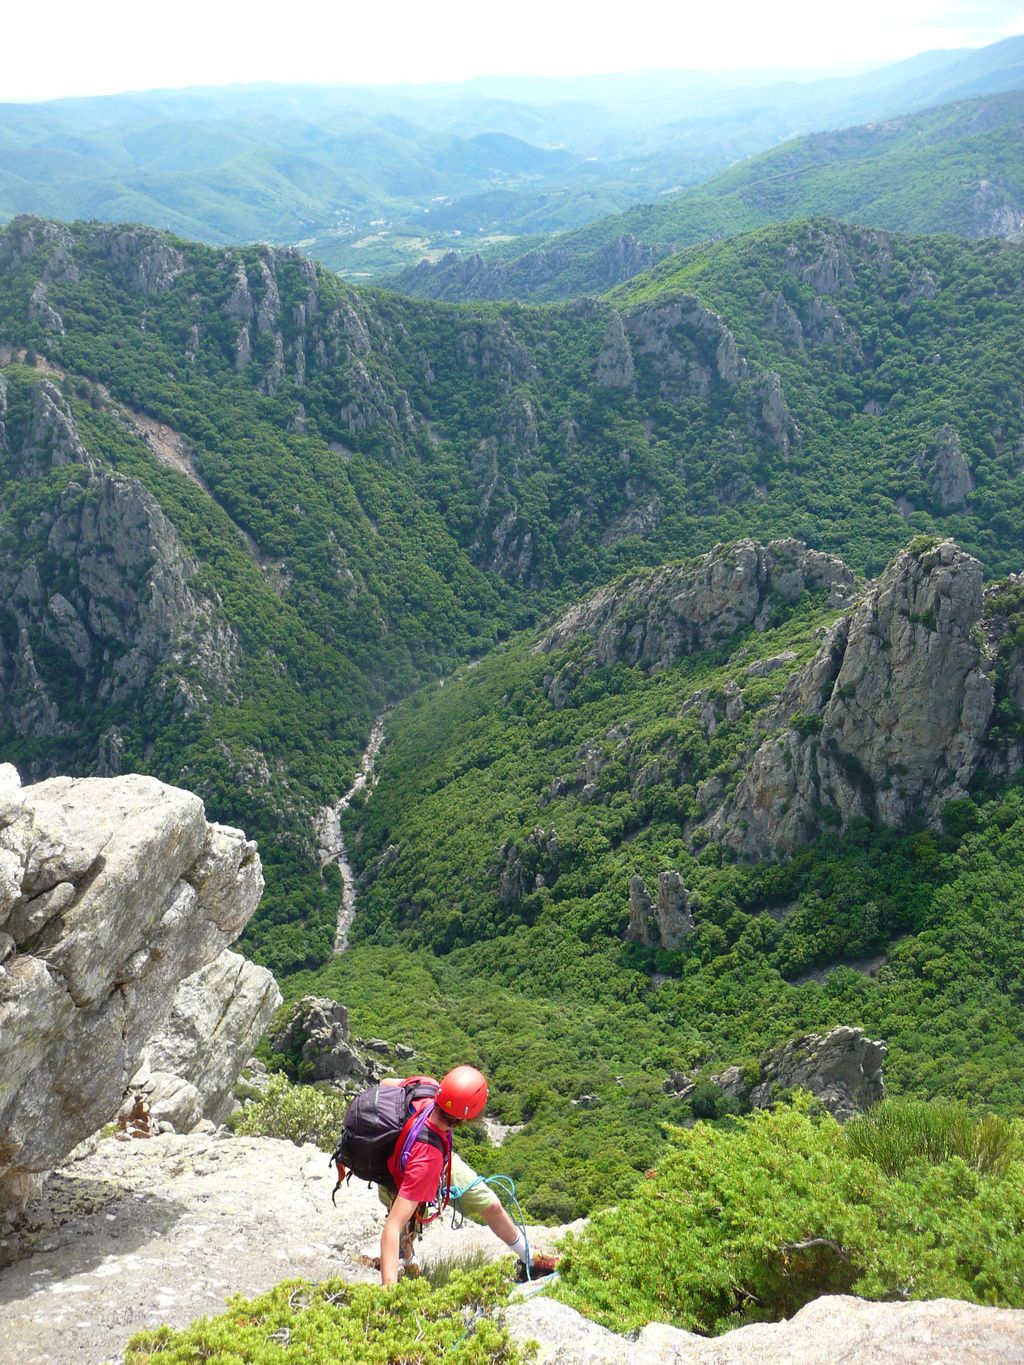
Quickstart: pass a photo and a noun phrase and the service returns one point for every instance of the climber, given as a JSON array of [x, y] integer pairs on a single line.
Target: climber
[[431, 1168]]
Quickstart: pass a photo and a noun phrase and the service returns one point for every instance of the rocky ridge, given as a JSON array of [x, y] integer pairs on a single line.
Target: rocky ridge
[[828, 1330], [535, 274], [657, 618], [187, 1071], [101, 579], [888, 722], [842, 1068], [112, 892]]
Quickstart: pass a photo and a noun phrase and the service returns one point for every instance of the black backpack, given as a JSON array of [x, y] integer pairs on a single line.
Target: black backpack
[[371, 1129]]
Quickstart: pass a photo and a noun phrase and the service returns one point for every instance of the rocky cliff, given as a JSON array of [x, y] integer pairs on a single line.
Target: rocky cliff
[[537, 274], [889, 721], [843, 1068], [99, 595], [657, 618], [112, 892], [187, 1071]]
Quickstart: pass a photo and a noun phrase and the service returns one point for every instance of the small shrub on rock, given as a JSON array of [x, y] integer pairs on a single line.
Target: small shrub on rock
[[334, 1323], [302, 1113]]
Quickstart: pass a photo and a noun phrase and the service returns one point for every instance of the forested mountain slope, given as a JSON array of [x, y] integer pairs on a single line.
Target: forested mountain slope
[[956, 168], [712, 805], [319, 498]]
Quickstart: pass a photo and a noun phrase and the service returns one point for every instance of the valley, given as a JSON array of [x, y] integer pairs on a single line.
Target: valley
[[613, 641]]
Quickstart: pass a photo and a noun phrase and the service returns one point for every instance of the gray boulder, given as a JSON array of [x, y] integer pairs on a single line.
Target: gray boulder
[[188, 1070], [113, 890], [667, 920], [657, 618], [843, 1068], [830, 1329], [316, 1032]]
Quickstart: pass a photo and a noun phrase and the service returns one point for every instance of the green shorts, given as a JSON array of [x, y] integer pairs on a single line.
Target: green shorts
[[474, 1203]]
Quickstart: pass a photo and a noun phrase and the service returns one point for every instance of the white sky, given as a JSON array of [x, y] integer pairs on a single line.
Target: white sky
[[73, 48]]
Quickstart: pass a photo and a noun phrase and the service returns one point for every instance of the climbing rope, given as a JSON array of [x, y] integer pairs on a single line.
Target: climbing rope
[[507, 1187]]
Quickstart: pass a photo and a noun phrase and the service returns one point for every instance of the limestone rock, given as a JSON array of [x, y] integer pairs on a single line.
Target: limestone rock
[[828, 1330], [103, 578], [238, 304], [947, 469], [667, 920], [842, 1067], [888, 721], [142, 257], [316, 1031], [615, 368], [687, 346], [156, 893], [42, 311], [659, 617], [187, 1070]]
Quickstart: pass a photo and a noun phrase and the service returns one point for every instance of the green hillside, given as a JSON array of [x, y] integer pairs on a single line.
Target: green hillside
[[957, 168]]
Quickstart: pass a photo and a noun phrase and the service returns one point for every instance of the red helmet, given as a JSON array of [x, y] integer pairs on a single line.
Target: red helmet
[[462, 1093]]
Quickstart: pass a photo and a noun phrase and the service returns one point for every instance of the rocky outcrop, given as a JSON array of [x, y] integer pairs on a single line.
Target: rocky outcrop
[[112, 891], [888, 721], [101, 579], [187, 1071], [687, 347], [556, 271], [830, 1329], [315, 1039], [946, 469], [657, 618], [615, 368], [520, 870], [143, 259], [996, 210], [842, 1068], [664, 922]]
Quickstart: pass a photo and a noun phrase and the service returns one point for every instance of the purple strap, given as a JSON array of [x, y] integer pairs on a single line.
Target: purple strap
[[414, 1132]]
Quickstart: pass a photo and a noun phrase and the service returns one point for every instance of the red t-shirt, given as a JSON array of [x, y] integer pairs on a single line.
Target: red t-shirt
[[422, 1175]]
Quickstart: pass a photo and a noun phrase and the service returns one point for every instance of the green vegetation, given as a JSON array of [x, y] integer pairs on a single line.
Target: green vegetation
[[749, 1222], [898, 1132], [300, 1113], [334, 1323], [460, 947], [440, 478]]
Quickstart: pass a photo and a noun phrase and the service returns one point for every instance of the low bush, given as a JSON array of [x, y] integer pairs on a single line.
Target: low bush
[[302, 1113], [898, 1132], [335, 1323], [751, 1220]]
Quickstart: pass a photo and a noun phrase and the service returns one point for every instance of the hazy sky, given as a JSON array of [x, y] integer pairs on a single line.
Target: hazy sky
[[71, 48]]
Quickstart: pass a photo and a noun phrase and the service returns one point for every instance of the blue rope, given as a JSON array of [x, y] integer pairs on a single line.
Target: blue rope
[[507, 1185]]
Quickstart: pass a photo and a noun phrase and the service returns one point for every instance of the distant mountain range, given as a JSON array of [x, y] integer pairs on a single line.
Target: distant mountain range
[[370, 179], [956, 168]]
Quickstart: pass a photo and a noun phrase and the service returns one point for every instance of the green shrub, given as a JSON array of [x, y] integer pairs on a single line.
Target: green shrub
[[748, 1222], [898, 1132], [302, 1113], [335, 1323]]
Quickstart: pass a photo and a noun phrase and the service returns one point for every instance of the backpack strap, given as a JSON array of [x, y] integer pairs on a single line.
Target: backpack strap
[[416, 1130]]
